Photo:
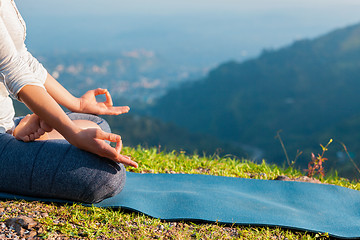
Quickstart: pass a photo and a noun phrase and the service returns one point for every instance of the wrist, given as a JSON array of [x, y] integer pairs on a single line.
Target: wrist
[[73, 137], [69, 131], [75, 105]]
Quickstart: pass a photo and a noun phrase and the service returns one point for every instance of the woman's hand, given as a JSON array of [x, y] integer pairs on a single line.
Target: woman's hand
[[89, 104], [85, 104], [92, 140]]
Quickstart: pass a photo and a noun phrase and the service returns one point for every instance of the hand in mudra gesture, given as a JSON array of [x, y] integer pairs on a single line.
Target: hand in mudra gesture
[[89, 104], [83, 134], [92, 140]]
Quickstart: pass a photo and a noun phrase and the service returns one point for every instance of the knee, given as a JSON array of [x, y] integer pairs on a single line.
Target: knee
[[105, 186], [100, 122], [86, 124]]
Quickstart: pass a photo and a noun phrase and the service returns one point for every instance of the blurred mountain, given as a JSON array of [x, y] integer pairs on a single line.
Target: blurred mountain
[[309, 90], [145, 131], [138, 75], [149, 132]]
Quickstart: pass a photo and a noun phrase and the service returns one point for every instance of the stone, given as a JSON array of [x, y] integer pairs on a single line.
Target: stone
[[22, 225], [26, 222]]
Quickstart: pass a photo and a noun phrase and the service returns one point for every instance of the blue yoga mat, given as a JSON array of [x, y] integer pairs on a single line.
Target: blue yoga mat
[[294, 205]]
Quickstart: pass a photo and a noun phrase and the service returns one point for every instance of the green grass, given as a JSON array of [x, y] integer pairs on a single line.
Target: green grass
[[77, 221]]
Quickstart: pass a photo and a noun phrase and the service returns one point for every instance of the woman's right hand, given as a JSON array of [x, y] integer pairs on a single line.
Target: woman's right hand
[[90, 139], [93, 140]]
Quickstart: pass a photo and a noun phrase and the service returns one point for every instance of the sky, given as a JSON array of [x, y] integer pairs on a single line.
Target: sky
[[165, 7], [192, 32]]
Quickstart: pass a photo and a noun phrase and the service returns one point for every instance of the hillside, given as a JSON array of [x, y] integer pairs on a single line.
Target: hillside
[[145, 131], [138, 130], [308, 90]]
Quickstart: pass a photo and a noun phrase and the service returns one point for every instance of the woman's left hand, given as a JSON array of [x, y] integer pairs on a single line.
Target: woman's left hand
[[89, 104]]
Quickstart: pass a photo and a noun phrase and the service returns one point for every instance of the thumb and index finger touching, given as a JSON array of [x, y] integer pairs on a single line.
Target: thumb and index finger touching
[[115, 156], [111, 110], [100, 91], [114, 153]]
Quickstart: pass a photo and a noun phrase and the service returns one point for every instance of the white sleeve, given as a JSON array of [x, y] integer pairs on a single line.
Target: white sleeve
[[15, 68], [37, 68]]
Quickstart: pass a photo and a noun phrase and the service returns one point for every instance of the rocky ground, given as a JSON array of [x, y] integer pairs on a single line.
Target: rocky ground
[[20, 220], [21, 227]]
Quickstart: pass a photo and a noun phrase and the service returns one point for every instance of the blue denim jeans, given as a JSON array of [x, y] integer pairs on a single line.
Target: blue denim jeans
[[56, 169]]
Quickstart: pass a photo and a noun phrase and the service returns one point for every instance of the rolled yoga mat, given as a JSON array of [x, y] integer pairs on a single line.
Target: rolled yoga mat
[[294, 205]]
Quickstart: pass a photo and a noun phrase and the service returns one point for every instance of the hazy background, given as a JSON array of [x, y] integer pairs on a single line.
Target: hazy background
[[197, 32], [296, 69]]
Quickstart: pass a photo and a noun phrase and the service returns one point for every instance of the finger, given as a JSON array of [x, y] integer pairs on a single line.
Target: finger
[[109, 152], [98, 91], [99, 134], [127, 161], [117, 110], [118, 146], [108, 101], [105, 150]]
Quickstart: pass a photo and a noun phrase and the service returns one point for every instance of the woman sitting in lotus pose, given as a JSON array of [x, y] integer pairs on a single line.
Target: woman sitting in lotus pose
[[40, 153]]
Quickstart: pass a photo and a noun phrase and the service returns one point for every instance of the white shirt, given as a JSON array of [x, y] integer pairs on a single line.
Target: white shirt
[[18, 67]]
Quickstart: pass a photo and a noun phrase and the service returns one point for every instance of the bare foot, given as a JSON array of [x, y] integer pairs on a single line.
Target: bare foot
[[31, 128], [45, 126]]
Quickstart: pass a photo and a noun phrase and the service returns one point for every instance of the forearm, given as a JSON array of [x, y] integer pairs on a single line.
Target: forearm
[[91, 139], [61, 95], [43, 105]]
